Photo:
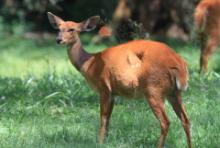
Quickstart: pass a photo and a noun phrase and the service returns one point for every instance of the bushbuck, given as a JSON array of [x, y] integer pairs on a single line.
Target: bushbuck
[[134, 69], [207, 21]]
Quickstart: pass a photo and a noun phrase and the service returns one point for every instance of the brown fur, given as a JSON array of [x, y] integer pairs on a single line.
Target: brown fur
[[135, 69], [207, 21]]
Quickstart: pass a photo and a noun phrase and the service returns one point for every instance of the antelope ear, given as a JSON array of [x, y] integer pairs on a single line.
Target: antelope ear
[[54, 20], [90, 23]]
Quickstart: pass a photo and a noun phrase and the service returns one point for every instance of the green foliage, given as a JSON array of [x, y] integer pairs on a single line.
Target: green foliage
[[31, 14], [48, 103]]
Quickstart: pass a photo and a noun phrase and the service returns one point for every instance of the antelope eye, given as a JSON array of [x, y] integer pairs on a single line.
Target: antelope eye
[[71, 30]]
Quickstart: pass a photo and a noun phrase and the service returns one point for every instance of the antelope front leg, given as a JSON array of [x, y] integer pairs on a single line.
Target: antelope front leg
[[106, 106]]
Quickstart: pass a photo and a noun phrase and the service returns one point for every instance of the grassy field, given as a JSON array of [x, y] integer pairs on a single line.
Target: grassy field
[[44, 102]]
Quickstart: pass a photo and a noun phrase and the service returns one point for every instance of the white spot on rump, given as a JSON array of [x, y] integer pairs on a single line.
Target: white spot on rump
[[180, 87]]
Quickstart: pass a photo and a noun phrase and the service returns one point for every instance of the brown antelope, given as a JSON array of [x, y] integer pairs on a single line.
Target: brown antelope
[[134, 69], [207, 21]]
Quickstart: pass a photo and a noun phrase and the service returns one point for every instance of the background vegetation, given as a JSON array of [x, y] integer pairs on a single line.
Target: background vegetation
[[159, 17], [45, 102]]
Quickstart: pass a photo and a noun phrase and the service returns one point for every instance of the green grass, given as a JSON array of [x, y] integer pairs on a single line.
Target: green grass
[[20, 57], [44, 102]]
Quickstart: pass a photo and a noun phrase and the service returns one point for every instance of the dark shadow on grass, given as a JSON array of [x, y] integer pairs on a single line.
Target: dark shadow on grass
[[66, 138], [217, 66], [151, 143], [145, 143], [217, 69]]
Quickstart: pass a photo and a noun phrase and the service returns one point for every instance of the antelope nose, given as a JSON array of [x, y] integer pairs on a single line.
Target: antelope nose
[[59, 40]]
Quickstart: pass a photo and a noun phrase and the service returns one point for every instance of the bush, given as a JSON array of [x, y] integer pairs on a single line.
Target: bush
[[33, 13], [157, 17]]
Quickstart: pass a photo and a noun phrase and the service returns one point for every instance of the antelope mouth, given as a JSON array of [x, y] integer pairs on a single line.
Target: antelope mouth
[[59, 41]]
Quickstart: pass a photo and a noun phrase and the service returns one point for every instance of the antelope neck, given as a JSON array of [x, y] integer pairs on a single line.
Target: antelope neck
[[77, 55]]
